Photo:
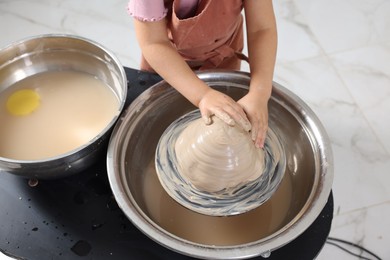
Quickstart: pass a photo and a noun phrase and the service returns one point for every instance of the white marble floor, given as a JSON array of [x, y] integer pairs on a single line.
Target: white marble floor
[[334, 54]]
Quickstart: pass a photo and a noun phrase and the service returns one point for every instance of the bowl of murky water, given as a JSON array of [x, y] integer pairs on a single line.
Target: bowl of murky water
[[297, 202], [60, 96]]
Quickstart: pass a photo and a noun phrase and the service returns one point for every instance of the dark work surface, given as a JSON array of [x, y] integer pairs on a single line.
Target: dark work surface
[[77, 217]]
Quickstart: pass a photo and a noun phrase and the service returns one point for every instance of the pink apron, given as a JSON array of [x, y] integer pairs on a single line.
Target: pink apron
[[213, 38]]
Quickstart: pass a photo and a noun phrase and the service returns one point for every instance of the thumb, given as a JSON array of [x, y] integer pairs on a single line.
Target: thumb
[[206, 116]]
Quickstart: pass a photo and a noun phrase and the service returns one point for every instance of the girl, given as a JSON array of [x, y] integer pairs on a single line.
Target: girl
[[179, 36]]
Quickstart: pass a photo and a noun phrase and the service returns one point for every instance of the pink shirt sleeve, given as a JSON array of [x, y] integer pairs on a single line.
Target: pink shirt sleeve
[[155, 10], [147, 10]]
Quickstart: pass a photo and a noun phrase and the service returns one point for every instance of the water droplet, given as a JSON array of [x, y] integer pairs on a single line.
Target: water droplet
[[96, 226], [112, 204], [81, 248], [33, 182], [266, 254]]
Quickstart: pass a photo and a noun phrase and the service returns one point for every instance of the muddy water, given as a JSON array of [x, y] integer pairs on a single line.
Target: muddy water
[[73, 108], [233, 230]]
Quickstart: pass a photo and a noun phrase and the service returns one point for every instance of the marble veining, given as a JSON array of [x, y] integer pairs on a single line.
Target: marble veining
[[335, 55]]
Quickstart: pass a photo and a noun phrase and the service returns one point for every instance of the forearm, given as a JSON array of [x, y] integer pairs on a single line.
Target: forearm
[[262, 56], [167, 62], [262, 44], [170, 65]]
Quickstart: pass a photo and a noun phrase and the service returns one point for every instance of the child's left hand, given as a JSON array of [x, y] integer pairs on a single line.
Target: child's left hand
[[256, 108]]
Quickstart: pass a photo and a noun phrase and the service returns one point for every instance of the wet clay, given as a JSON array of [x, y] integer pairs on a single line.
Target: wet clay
[[217, 156], [215, 169]]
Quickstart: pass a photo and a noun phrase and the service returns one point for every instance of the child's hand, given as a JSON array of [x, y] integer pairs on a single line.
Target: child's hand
[[256, 108], [224, 107]]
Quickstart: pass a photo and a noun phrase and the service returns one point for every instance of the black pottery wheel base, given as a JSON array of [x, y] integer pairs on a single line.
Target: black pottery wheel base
[[77, 217]]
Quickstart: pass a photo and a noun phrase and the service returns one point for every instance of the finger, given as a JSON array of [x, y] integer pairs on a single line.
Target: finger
[[224, 117], [206, 116], [261, 135], [239, 116], [244, 123], [254, 132]]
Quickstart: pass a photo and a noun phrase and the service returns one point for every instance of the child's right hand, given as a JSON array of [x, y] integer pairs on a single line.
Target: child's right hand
[[224, 107]]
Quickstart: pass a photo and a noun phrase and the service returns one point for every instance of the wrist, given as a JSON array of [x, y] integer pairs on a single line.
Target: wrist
[[262, 91], [199, 91]]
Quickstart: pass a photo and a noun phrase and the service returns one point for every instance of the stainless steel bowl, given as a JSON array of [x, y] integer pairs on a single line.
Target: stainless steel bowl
[[58, 53], [309, 172]]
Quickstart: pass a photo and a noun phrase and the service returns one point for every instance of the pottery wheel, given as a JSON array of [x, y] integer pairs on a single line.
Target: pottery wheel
[[214, 173]]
